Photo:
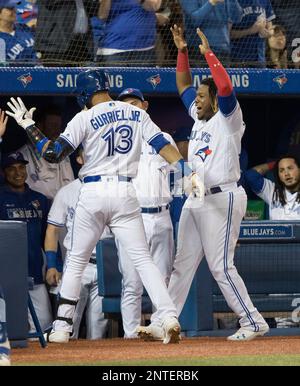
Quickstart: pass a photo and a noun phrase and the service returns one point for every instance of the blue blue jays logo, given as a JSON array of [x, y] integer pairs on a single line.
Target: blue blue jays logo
[[154, 80], [204, 152], [25, 79], [35, 204], [281, 80]]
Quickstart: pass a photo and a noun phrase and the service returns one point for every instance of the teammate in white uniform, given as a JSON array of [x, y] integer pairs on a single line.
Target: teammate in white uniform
[[43, 176], [111, 133], [282, 196], [153, 193], [61, 215], [212, 229]]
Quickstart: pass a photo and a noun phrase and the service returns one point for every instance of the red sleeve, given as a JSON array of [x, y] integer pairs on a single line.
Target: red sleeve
[[219, 74], [183, 61]]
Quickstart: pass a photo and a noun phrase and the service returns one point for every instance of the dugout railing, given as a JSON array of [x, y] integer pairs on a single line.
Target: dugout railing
[[151, 80]]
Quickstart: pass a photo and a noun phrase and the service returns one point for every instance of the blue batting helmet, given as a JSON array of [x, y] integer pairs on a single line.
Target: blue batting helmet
[[88, 83]]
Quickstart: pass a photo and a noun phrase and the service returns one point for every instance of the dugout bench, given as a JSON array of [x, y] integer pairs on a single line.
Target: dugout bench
[[268, 259]]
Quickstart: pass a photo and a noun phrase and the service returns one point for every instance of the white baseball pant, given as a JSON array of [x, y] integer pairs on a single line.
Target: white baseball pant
[[113, 203], [213, 231], [159, 235]]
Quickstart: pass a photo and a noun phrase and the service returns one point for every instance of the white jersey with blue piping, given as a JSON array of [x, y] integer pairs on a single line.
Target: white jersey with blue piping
[[152, 181], [215, 145], [111, 134], [290, 211]]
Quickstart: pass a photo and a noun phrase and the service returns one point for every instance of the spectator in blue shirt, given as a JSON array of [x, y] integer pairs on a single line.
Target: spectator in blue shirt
[[130, 33], [19, 203], [248, 38], [213, 17], [16, 40]]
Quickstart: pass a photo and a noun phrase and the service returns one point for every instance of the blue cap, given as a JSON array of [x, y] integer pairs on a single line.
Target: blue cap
[[9, 3], [182, 134], [131, 92], [12, 158]]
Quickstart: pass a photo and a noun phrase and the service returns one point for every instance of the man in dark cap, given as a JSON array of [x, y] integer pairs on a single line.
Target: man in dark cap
[[18, 202]]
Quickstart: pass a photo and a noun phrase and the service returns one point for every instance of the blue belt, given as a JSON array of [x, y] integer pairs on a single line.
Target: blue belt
[[98, 178], [157, 209], [217, 189]]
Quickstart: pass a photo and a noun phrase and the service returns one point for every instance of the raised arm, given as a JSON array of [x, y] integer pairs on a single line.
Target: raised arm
[[226, 96], [255, 176], [264, 168], [51, 151], [218, 72], [183, 72], [3, 122]]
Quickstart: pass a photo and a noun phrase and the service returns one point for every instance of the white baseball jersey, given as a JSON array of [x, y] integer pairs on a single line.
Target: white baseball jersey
[[290, 211], [62, 210], [43, 176], [109, 134], [152, 182], [215, 145]]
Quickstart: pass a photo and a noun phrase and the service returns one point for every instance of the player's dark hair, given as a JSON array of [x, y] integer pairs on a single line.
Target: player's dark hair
[[212, 90], [279, 191]]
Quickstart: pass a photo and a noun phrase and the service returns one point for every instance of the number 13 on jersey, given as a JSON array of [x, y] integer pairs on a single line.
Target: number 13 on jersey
[[118, 140]]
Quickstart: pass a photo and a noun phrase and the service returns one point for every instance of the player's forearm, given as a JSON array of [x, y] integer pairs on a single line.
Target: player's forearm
[[239, 34], [51, 151], [170, 154], [219, 74], [51, 238], [183, 72], [264, 168], [50, 245]]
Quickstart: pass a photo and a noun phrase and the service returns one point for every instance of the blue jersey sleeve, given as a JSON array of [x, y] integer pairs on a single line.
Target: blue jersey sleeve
[[188, 96], [198, 12], [269, 10], [227, 104], [159, 142], [255, 180]]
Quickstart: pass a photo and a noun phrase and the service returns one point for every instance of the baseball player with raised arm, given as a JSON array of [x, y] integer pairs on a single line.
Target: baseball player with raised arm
[[153, 193], [213, 228], [111, 133], [61, 215]]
